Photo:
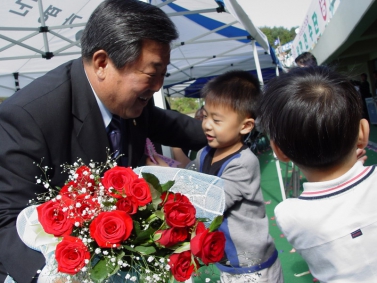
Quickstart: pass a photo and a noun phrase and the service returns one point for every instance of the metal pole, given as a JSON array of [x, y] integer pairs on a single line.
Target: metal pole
[[257, 65], [281, 183], [43, 24]]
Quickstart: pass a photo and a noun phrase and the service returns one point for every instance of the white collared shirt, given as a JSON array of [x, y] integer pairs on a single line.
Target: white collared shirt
[[106, 114]]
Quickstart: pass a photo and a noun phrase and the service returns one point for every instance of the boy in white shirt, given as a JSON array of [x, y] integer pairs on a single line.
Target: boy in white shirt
[[313, 117]]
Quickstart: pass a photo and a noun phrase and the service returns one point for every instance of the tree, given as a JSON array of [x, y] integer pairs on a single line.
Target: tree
[[185, 105], [282, 33]]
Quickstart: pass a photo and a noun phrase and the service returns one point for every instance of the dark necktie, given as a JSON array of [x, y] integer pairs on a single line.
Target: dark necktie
[[113, 131]]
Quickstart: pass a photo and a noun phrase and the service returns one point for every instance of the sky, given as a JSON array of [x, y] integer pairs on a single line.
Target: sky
[[286, 13]]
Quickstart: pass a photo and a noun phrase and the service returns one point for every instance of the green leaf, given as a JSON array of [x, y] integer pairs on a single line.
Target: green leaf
[[167, 186], [157, 237], [153, 180], [137, 228], [216, 223], [156, 197], [144, 236], [145, 250], [104, 268], [128, 248], [171, 279], [160, 214], [183, 248]]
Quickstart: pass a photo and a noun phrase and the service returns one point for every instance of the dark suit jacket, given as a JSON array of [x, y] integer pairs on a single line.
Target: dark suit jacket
[[57, 118]]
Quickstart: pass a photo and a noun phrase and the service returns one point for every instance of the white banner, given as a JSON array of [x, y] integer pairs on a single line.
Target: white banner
[[315, 22]]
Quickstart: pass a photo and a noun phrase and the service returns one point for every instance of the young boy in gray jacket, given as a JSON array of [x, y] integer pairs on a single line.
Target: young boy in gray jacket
[[231, 102]]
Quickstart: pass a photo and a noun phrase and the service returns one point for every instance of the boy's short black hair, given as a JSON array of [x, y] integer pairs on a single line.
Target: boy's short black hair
[[237, 89], [313, 115], [306, 59]]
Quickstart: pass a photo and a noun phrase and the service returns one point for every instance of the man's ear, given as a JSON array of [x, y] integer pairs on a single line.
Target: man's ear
[[100, 62], [363, 138], [247, 126], [279, 154]]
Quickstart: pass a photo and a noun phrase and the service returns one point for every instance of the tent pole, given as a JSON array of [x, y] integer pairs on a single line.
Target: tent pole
[[257, 65], [281, 183], [277, 162], [43, 24]]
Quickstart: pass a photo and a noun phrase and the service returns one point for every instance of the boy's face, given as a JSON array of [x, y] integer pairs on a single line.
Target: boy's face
[[223, 127]]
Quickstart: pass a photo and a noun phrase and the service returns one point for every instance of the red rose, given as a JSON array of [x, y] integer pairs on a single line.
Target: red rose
[[53, 219], [117, 180], [171, 236], [179, 214], [83, 179], [71, 254], [182, 266], [174, 197], [139, 189], [111, 228], [69, 190], [208, 246], [127, 204], [84, 208]]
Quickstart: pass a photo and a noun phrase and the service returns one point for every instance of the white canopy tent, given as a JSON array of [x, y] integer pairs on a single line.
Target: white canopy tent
[[211, 41], [215, 36]]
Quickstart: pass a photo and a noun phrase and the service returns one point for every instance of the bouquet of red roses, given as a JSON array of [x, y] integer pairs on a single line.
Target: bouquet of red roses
[[107, 221]]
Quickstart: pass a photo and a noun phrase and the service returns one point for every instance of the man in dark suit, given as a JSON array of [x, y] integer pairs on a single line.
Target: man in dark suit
[[63, 115]]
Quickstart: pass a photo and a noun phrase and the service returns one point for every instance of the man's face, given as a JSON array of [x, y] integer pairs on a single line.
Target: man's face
[[127, 91]]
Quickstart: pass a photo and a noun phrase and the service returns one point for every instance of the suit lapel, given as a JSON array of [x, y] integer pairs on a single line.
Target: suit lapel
[[88, 123]]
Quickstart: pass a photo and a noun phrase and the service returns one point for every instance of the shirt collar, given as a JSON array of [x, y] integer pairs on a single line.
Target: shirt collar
[[106, 114], [354, 176]]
